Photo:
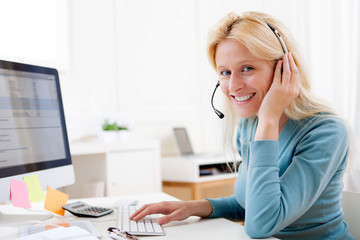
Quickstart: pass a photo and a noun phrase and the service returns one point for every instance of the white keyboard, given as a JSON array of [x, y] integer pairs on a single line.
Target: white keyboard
[[146, 226]]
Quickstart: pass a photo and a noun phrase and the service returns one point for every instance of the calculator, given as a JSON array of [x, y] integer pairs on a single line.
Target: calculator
[[82, 209]]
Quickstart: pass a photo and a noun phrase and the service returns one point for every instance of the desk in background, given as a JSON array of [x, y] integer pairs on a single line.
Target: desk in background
[[104, 169], [193, 228]]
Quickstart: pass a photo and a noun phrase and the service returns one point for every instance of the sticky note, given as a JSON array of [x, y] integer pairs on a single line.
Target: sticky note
[[54, 201], [51, 226], [35, 192], [19, 194]]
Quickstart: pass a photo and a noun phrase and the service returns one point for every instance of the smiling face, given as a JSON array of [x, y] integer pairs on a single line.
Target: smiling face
[[244, 78]]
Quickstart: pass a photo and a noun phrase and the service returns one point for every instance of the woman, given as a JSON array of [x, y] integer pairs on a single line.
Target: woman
[[294, 149]]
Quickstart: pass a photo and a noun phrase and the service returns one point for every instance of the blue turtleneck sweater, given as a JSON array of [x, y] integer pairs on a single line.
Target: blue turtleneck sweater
[[290, 188]]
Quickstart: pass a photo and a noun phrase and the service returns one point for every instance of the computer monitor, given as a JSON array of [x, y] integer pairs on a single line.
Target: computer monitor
[[183, 141], [33, 137]]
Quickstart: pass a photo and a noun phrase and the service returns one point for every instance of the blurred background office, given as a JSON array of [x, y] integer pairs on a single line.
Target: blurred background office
[[145, 62]]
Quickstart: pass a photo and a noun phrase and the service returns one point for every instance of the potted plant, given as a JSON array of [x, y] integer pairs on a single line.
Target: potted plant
[[112, 131]]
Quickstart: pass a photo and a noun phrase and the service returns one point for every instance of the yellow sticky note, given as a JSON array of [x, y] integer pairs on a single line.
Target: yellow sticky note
[[35, 192], [54, 201]]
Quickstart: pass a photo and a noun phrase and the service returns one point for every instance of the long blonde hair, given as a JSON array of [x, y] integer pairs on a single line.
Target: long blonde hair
[[252, 31]]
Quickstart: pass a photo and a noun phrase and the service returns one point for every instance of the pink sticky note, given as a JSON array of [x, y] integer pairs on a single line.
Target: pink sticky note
[[19, 194]]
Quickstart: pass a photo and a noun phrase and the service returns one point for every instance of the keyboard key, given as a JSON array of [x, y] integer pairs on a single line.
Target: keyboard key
[[126, 223], [157, 227], [133, 226], [141, 226], [145, 226], [148, 225], [132, 210]]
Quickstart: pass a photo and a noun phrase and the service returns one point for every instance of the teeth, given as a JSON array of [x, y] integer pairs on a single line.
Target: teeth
[[244, 98]]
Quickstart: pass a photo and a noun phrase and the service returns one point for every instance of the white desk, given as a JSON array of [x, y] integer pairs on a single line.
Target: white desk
[[192, 228], [102, 168]]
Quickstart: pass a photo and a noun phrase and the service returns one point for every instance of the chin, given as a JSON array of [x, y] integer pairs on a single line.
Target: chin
[[246, 115], [246, 111]]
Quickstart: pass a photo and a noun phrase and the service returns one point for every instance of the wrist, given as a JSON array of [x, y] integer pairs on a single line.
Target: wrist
[[201, 208], [267, 129]]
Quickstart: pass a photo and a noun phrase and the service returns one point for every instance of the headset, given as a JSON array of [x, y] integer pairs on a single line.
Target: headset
[[277, 34]]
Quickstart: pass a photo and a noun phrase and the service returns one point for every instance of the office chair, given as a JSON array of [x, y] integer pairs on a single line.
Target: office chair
[[351, 206]]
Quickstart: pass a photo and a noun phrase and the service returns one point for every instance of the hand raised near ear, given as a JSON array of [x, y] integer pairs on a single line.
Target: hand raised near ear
[[283, 90]]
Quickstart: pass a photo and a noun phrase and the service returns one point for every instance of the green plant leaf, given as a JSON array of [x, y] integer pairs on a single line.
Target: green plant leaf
[[106, 126]]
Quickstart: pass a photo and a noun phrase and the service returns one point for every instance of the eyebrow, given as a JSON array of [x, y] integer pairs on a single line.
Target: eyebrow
[[239, 63]]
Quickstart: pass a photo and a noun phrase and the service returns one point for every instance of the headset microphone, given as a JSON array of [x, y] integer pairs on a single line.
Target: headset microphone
[[220, 114]]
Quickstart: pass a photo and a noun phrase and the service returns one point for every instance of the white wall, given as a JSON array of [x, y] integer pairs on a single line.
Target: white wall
[[34, 32], [147, 60], [104, 76], [92, 58]]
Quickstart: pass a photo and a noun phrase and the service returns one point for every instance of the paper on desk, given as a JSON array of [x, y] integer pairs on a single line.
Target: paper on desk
[[35, 192], [61, 233], [54, 201], [19, 194], [26, 230]]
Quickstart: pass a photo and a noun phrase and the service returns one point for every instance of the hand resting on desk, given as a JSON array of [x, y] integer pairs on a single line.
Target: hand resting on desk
[[174, 210]]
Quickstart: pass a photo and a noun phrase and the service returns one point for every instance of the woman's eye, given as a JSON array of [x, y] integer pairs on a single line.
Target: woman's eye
[[225, 73], [247, 69]]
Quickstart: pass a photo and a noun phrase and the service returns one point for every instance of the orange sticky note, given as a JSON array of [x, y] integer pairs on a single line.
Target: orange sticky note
[[19, 194], [52, 226], [54, 201], [35, 192]]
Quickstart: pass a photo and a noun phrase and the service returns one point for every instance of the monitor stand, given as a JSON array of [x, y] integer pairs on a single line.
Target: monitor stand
[[6, 219]]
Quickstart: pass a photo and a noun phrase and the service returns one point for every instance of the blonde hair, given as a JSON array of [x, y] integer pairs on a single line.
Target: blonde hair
[[251, 30]]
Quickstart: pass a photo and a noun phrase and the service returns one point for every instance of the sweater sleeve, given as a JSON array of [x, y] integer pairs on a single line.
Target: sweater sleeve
[[227, 207], [274, 202]]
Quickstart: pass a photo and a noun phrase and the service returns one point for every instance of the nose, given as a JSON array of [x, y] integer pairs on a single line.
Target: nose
[[236, 83]]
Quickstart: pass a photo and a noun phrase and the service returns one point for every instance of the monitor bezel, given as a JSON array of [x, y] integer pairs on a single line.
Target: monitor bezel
[[34, 167]]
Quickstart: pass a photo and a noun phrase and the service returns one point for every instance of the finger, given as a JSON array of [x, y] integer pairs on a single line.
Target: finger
[[277, 73], [137, 212], [142, 212], [174, 216], [165, 219], [155, 208], [293, 67], [286, 75], [292, 62]]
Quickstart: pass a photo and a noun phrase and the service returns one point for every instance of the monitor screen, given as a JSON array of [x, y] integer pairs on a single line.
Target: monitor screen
[[33, 133], [183, 141]]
